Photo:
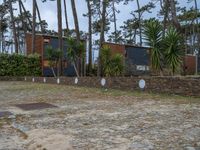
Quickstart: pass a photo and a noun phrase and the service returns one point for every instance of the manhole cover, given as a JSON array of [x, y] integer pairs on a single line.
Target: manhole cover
[[5, 114], [35, 106]]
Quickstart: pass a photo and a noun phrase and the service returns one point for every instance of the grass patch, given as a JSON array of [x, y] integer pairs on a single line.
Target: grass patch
[[87, 92], [140, 95]]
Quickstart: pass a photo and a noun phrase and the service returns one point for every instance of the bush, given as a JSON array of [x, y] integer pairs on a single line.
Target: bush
[[19, 65], [112, 64]]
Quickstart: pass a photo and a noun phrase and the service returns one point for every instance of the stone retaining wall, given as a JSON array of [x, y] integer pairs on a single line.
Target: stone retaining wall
[[185, 86], [7, 78]]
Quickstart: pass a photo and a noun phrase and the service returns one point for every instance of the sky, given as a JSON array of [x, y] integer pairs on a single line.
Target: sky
[[49, 12]]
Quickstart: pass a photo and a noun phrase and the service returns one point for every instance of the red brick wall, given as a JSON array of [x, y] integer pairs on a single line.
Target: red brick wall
[[190, 64], [38, 44], [116, 48]]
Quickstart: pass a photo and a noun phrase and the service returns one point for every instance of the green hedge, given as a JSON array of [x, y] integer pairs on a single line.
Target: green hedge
[[19, 65]]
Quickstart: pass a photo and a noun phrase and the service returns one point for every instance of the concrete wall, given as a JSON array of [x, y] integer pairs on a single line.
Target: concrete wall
[[170, 85]]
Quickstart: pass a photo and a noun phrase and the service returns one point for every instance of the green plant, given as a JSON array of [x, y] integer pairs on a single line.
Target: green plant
[[105, 60], [172, 48], [112, 65], [33, 64], [19, 65], [75, 52], [153, 36], [117, 64], [53, 55]]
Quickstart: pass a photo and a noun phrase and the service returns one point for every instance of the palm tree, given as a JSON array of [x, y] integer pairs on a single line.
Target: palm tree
[[117, 65], [172, 47], [153, 37], [112, 65], [53, 56], [74, 52]]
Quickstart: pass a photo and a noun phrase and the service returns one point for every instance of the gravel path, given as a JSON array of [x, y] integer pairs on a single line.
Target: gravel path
[[96, 119]]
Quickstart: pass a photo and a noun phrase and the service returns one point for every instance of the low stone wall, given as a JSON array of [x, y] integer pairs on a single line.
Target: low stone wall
[[8, 78], [185, 86]]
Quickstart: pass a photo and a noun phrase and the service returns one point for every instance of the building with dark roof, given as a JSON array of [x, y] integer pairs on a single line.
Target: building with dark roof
[[41, 43]]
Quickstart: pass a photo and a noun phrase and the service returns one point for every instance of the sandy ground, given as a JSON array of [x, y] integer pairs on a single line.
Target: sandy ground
[[96, 119]]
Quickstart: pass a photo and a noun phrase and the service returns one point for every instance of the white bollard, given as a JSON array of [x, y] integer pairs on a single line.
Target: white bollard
[[44, 80], [142, 84], [58, 81], [76, 81], [103, 82]]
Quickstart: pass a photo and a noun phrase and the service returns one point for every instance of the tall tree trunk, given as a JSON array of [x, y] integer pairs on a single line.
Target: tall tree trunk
[[76, 23], [75, 68], [1, 37], [197, 36], [39, 16], [33, 26], [102, 35], [24, 9], [23, 24], [140, 26], [89, 35], [59, 15], [13, 26], [174, 15], [197, 22], [165, 8], [66, 17], [3, 42], [115, 20], [22, 18]]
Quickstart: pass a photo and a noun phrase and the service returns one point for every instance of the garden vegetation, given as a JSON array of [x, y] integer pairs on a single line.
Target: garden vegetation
[[19, 65]]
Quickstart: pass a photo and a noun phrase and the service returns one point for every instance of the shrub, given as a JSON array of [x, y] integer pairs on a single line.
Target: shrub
[[112, 64], [153, 36], [54, 55], [173, 50], [19, 65]]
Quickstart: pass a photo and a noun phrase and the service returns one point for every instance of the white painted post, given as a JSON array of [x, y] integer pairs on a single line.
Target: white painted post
[[58, 81]]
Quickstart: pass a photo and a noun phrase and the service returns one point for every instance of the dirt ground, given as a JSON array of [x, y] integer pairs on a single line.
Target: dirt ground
[[96, 119]]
